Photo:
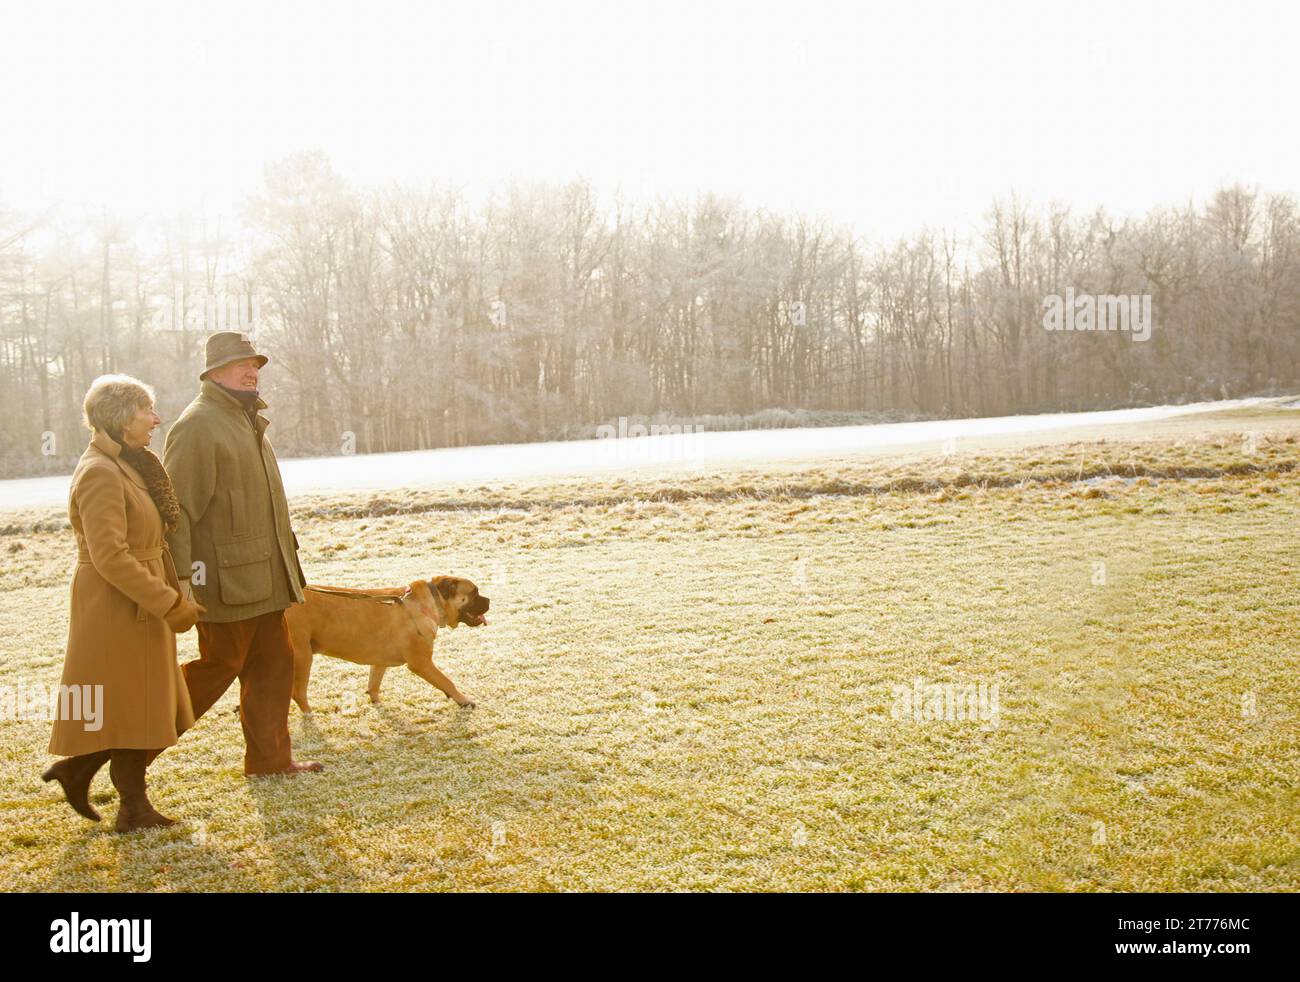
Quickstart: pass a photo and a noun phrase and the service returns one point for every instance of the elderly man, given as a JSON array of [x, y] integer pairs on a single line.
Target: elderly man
[[235, 552]]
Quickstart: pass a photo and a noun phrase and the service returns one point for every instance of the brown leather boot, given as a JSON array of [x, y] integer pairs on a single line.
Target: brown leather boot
[[135, 811], [75, 774]]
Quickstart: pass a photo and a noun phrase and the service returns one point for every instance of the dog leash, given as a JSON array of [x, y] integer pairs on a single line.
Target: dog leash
[[383, 598]]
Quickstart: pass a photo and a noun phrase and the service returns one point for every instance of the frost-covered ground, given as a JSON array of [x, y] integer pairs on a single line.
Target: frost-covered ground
[[694, 683], [686, 452]]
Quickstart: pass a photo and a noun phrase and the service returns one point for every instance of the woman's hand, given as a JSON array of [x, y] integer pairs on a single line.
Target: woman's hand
[[184, 614]]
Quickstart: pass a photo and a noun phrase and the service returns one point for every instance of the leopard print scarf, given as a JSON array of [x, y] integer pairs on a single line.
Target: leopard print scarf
[[157, 482]]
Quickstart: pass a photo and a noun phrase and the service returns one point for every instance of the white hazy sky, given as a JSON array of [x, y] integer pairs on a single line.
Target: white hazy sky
[[884, 118]]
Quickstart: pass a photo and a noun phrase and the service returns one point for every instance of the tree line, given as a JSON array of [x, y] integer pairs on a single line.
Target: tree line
[[404, 319]]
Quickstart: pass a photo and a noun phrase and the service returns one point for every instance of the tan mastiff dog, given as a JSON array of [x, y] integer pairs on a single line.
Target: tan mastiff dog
[[382, 628]]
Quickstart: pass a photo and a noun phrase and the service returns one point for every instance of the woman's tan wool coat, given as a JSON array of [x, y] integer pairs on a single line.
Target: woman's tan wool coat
[[123, 585]]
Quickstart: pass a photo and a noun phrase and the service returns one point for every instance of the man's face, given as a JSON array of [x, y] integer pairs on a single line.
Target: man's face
[[240, 374]]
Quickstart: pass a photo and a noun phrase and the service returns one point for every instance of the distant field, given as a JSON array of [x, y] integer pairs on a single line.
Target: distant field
[[711, 444], [688, 683]]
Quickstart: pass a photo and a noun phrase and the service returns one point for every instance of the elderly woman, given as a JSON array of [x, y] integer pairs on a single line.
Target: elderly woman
[[127, 607]]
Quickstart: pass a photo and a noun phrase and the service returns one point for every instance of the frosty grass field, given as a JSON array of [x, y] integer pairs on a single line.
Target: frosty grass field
[[689, 682]]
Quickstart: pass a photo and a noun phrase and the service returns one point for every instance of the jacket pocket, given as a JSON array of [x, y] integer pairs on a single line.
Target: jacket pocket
[[238, 513], [244, 571]]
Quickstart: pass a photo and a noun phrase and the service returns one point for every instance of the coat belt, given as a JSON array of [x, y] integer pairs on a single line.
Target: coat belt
[[153, 552]]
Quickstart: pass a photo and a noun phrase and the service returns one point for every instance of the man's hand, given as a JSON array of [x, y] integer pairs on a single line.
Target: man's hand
[[187, 590]]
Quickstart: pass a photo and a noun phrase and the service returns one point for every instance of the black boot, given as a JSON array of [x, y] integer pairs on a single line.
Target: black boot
[[75, 774], [135, 811]]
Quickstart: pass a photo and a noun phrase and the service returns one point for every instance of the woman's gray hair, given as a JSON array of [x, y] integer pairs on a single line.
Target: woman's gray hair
[[113, 400]]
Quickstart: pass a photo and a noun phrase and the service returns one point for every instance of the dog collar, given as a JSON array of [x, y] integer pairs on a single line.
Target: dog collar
[[407, 600]]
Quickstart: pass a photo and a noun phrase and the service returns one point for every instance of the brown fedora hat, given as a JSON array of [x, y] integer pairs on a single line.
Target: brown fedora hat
[[227, 346]]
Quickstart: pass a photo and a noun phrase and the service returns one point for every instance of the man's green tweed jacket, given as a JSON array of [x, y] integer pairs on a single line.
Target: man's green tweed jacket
[[233, 537]]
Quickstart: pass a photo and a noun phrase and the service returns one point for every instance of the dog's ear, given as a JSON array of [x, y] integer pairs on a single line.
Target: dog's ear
[[446, 585]]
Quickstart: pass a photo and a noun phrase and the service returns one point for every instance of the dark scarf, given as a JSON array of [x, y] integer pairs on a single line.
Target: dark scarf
[[156, 481], [246, 399]]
